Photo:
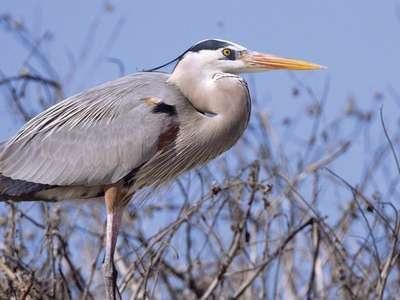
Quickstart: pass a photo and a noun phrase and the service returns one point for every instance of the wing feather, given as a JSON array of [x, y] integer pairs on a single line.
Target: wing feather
[[96, 137]]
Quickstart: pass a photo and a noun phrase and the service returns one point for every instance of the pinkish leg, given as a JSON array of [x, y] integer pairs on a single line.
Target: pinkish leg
[[114, 216]]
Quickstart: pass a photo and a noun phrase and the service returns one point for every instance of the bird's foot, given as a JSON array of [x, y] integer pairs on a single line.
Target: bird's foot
[[110, 280]]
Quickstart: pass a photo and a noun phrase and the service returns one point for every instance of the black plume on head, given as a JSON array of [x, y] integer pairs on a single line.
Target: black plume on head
[[211, 44]]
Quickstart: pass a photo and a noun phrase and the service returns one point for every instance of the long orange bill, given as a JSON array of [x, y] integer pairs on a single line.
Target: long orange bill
[[260, 61]]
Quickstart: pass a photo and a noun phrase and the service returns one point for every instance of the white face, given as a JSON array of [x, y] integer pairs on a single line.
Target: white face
[[226, 59]]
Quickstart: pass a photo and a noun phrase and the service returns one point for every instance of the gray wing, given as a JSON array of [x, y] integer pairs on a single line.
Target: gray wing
[[96, 137]]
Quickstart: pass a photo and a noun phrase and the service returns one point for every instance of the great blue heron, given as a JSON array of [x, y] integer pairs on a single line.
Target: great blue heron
[[140, 130]]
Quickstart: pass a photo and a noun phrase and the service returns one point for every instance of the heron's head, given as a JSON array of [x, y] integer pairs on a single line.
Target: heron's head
[[216, 55]]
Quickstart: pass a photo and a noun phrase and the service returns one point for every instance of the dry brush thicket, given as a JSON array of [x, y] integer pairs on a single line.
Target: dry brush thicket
[[272, 219]]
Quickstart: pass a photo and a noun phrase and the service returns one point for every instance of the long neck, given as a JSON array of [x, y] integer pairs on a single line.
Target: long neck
[[225, 97]]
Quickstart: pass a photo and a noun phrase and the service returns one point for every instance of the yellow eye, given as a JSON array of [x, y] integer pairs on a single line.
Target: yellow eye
[[226, 52]]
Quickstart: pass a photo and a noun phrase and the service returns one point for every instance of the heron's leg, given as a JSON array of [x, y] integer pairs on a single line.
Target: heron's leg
[[114, 215]]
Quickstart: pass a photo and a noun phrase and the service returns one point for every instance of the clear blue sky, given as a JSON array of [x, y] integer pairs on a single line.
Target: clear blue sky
[[358, 40]]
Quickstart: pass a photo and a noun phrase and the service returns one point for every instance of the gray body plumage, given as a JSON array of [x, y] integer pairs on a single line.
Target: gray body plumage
[[139, 130]]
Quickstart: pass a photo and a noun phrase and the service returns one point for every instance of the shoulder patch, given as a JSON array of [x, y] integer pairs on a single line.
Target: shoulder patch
[[165, 108], [151, 101], [168, 137]]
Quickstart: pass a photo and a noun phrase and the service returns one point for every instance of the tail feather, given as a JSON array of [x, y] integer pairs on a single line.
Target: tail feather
[[14, 188], [19, 188]]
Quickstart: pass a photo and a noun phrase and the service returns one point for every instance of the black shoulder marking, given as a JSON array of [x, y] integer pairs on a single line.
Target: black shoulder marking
[[209, 45], [165, 108], [17, 188]]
